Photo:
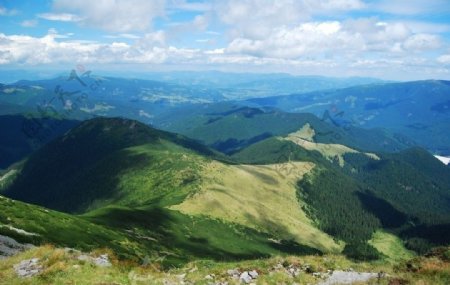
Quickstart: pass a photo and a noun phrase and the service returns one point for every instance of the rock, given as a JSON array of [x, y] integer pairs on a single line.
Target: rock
[[348, 277], [232, 272], [9, 246], [102, 261], [245, 277], [28, 268], [253, 274], [293, 271]]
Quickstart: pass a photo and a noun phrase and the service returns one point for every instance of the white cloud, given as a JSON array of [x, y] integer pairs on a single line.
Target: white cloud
[[152, 50], [7, 12], [54, 48], [444, 59], [118, 16], [360, 37], [122, 36], [255, 19], [308, 39], [62, 17], [421, 42], [29, 23]]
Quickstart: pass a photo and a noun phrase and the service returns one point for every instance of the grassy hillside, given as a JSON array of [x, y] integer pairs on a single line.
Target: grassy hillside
[[125, 176], [258, 196], [170, 194], [355, 194], [137, 233], [101, 156]]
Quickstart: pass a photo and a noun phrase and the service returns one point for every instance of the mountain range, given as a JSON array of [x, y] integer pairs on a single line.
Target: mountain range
[[177, 172]]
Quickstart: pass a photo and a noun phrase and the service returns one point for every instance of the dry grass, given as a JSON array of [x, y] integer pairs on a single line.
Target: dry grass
[[62, 267], [262, 197], [304, 138]]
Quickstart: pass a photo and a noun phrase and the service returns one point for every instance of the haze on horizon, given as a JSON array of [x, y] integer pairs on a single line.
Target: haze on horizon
[[395, 40]]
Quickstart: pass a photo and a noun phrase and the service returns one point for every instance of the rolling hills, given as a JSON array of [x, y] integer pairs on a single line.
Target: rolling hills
[[229, 127], [418, 109], [171, 194], [126, 176]]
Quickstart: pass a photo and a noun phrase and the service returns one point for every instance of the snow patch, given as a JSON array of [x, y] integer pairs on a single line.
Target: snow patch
[[443, 159]]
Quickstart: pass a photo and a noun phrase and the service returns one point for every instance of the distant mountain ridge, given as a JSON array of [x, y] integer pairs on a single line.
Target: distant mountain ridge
[[418, 109]]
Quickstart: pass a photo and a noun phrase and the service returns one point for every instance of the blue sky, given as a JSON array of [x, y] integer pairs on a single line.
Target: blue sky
[[390, 39]]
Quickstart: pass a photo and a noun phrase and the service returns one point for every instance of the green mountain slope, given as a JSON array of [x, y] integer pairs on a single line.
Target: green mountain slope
[[283, 194], [129, 177], [229, 128], [353, 194], [155, 234], [22, 135], [98, 158]]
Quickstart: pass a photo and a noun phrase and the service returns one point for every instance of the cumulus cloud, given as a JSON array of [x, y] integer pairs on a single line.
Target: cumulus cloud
[[255, 19], [56, 48], [62, 17], [283, 35], [118, 16], [361, 37]]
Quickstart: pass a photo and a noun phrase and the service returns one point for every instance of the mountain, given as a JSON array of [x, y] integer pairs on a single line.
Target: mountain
[[118, 162], [141, 183], [84, 96], [229, 127], [93, 156], [252, 85], [21, 135], [287, 193], [418, 110], [351, 194]]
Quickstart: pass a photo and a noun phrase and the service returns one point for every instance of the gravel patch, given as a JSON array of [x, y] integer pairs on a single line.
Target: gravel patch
[[348, 277]]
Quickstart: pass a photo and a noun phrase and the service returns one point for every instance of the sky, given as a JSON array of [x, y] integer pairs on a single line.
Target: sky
[[388, 39]]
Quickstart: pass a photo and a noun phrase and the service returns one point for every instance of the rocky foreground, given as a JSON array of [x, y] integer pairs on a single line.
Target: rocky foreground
[[49, 265]]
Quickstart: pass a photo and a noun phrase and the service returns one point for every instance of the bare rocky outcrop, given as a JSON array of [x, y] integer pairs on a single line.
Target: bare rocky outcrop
[[28, 268], [9, 246]]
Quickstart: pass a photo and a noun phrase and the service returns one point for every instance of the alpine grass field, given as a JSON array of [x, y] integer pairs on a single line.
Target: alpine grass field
[[225, 142]]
